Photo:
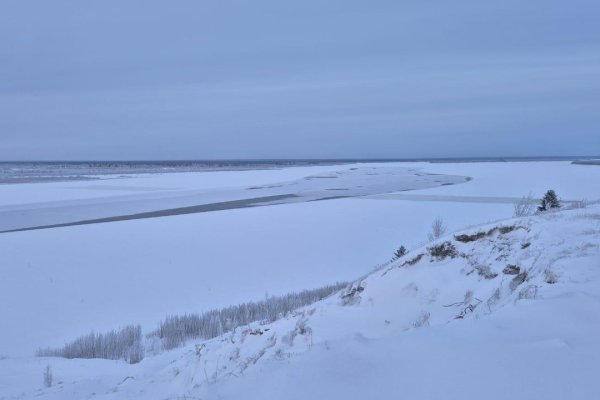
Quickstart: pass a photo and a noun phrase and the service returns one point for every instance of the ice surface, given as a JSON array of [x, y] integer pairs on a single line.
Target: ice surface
[[149, 202]]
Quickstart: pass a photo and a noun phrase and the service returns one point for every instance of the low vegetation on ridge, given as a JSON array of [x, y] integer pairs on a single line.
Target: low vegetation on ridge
[[128, 343]]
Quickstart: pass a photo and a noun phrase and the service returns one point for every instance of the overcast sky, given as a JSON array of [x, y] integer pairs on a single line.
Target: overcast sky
[[298, 79]]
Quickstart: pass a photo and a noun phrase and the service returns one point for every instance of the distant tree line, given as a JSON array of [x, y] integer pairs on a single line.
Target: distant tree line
[[128, 343], [123, 344], [175, 330]]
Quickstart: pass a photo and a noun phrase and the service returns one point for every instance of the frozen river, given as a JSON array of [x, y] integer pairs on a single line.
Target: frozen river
[[148, 199]]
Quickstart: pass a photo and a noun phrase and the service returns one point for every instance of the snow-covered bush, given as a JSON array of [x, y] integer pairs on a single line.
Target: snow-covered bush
[[578, 204], [438, 229], [494, 298], [422, 320], [524, 206], [443, 250], [467, 238], [413, 260], [517, 280], [528, 292], [48, 376], [485, 271], [123, 344], [550, 277], [351, 296], [301, 329]]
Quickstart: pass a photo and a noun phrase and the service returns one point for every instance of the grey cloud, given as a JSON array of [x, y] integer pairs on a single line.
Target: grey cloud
[[269, 79]]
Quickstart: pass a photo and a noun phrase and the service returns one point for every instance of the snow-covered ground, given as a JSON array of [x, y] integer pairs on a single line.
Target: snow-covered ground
[[509, 311], [57, 284]]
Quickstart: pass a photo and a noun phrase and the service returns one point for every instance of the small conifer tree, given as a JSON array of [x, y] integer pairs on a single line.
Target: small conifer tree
[[550, 200], [400, 252]]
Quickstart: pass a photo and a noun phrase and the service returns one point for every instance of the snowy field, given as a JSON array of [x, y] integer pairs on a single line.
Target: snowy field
[[59, 283]]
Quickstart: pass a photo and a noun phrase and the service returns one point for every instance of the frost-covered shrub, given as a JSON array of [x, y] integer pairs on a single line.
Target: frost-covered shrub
[[506, 229], [443, 250], [48, 378], [351, 295], [466, 238], [301, 329], [422, 320], [550, 277], [485, 271], [494, 298], [578, 204], [124, 344], [524, 206], [517, 280], [438, 229], [528, 292], [136, 352], [468, 297], [413, 260], [235, 354], [175, 330], [280, 354], [511, 269]]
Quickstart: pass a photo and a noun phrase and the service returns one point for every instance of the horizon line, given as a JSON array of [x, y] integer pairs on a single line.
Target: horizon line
[[325, 159]]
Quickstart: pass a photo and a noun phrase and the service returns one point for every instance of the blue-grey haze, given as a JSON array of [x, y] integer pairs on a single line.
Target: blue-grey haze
[[205, 79]]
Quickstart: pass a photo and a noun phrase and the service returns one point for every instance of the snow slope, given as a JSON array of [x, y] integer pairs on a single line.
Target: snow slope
[[508, 311]]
